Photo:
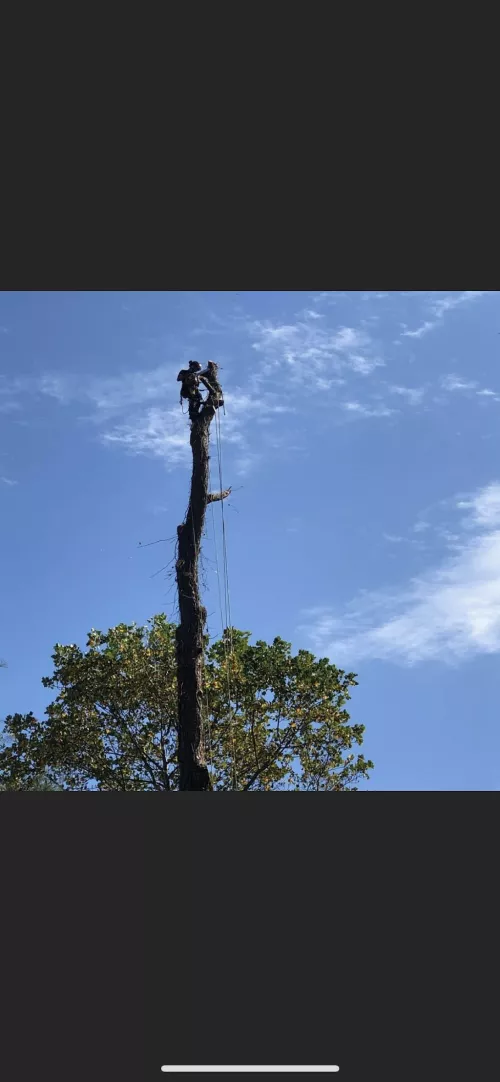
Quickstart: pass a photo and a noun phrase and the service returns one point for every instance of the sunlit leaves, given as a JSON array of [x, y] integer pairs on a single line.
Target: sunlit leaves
[[273, 721]]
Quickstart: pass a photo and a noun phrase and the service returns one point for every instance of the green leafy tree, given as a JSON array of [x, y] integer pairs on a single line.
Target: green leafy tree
[[273, 721], [31, 782]]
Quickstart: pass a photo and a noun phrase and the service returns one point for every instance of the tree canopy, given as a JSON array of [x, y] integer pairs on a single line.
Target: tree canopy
[[273, 721], [11, 780]]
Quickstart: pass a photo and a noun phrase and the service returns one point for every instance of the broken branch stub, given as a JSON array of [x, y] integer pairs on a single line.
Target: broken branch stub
[[215, 497]]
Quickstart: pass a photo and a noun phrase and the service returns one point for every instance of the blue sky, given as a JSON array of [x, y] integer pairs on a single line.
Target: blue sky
[[362, 440]]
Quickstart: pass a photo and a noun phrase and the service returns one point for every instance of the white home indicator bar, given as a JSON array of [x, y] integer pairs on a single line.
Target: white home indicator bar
[[324, 1070]]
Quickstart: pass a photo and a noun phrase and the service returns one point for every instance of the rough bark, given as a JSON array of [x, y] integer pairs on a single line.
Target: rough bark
[[194, 774]]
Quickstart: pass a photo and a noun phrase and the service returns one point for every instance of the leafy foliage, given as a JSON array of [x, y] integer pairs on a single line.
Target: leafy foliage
[[273, 721], [32, 782]]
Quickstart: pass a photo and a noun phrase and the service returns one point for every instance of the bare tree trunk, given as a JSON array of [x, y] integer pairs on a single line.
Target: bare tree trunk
[[191, 630]]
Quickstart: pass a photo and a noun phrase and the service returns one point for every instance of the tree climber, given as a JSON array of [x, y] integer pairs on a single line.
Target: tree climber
[[211, 382], [190, 384]]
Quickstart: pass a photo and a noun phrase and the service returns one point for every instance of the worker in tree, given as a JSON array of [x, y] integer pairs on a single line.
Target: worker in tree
[[190, 381], [210, 380]]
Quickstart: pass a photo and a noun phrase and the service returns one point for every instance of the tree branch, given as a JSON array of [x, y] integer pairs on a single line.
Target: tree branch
[[127, 730], [214, 497], [164, 759], [275, 753]]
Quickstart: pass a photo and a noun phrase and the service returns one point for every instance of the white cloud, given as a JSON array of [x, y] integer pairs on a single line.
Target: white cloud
[[111, 395], [483, 507], [165, 433], [307, 351], [456, 383], [439, 306], [63, 388], [448, 614], [122, 394], [420, 331], [131, 406], [241, 403], [330, 296], [347, 338], [433, 295], [246, 463], [363, 365], [161, 433], [327, 384], [361, 410], [107, 395], [413, 395], [8, 481], [446, 304]]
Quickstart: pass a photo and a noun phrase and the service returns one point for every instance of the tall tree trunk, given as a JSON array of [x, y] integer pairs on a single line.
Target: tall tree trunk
[[191, 630]]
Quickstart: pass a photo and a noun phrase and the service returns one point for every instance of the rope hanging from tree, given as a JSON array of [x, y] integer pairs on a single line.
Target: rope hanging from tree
[[190, 634], [227, 629]]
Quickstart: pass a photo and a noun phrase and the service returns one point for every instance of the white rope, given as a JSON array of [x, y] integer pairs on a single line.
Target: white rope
[[227, 600]]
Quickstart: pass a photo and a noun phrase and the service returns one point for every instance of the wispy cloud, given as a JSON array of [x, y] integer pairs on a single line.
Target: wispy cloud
[[113, 394], [439, 306], [64, 388], [160, 433], [360, 409], [307, 351], [457, 383], [131, 407], [8, 481], [453, 383], [447, 304], [448, 614], [413, 395], [105, 395], [310, 352], [309, 313], [323, 384], [10, 390], [164, 433], [483, 508], [329, 296], [420, 331], [244, 464]]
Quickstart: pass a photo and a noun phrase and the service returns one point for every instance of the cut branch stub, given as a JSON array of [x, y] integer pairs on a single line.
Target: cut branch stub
[[214, 497]]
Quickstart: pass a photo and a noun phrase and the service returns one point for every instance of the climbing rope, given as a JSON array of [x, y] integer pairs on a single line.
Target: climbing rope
[[228, 647], [225, 612]]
